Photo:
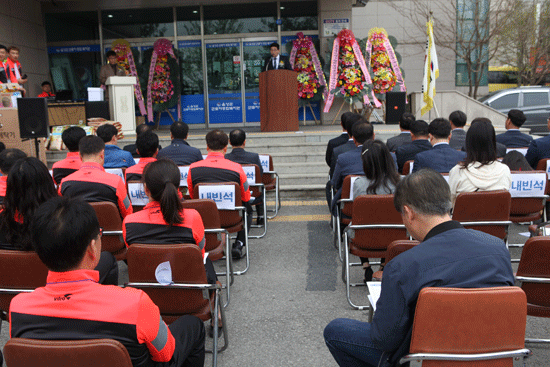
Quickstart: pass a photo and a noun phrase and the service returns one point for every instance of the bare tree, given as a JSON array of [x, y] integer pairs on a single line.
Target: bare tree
[[525, 42], [465, 27]]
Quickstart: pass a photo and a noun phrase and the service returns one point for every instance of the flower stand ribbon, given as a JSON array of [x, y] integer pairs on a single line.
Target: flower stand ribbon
[[384, 62]]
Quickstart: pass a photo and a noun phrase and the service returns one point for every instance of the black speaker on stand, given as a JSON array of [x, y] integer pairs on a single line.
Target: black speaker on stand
[[33, 119], [395, 106]]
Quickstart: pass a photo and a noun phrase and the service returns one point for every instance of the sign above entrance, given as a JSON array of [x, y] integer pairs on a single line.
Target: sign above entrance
[[222, 45], [186, 44], [73, 49], [331, 27]]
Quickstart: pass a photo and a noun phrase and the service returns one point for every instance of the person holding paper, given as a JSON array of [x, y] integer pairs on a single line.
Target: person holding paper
[[448, 256], [73, 306], [163, 220]]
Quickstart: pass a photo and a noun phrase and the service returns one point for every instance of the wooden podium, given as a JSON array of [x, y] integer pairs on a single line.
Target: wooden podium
[[279, 100]]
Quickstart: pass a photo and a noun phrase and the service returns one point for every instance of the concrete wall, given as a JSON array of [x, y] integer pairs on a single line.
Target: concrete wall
[[21, 25]]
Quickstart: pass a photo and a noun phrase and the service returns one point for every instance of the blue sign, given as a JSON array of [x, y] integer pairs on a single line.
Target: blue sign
[[225, 108], [252, 101], [279, 21], [192, 108], [309, 116], [187, 44], [73, 49], [222, 45], [258, 43]]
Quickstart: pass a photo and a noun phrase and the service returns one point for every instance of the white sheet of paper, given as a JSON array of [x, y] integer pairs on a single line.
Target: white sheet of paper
[[163, 273], [525, 234], [374, 293]]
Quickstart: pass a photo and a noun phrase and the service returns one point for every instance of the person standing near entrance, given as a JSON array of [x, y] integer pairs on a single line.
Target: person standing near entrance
[[108, 70], [276, 61]]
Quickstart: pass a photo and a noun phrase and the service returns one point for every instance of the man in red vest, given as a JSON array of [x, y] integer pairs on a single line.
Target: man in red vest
[[46, 90], [13, 68]]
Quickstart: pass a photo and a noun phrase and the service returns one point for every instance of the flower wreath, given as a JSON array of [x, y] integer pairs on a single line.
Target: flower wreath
[[348, 72], [125, 58], [383, 62], [305, 61]]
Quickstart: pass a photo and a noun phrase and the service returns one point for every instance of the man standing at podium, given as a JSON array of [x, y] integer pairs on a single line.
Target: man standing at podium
[[276, 61], [108, 70]]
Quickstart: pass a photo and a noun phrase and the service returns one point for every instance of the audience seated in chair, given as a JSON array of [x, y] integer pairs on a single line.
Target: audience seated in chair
[[147, 146], [163, 220], [140, 129], [91, 182], [67, 238], [513, 138], [71, 137], [7, 159], [237, 138], [457, 120], [420, 143], [480, 171], [404, 137], [30, 185], [114, 156], [516, 161], [179, 150], [215, 168], [442, 157], [380, 178], [448, 255], [538, 149], [340, 139]]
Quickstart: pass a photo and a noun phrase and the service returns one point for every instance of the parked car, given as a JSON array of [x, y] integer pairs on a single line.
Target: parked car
[[534, 101]]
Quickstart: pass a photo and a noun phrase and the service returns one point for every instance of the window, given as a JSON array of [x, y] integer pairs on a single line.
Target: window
[[507, 101], [299, 16], [137, 23], [535, 99], [188, 21], [241, 18], [75, 26]]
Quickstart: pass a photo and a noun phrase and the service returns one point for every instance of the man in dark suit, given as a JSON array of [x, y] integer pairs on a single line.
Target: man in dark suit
[[339, 140], [179, 151], [538, 149], [237, 138], [405, 136], [442, 157], [350, 162], [513, 138], [276, 61], [458, 121], [420, 143]]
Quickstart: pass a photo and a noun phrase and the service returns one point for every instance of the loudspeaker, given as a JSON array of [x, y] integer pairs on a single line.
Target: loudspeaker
[[33, 118], [97, 109], [395, 106]]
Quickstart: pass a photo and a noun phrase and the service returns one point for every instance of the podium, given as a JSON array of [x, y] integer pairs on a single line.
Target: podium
[[279, 100], [122, 102]]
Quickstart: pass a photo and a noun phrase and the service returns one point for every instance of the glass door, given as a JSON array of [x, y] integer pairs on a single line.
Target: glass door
[[223, 65]]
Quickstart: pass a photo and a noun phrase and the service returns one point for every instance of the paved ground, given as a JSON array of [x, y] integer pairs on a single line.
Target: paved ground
[[293, 289]]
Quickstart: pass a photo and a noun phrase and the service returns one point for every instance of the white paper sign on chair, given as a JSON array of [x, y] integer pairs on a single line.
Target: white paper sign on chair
[[528, 184], [223, 195], [264, 159], [250, 172], [136, 191], [351, 182], [116, 171], [184, 171]]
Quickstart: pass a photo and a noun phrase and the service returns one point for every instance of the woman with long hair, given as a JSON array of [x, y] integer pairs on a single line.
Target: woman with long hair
[[29, 185], [163, 220], [381, 178], [480, 171]]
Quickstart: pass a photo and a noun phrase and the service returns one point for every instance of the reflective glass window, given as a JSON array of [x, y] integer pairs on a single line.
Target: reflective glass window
[[138, 23], [74, 26], [240, 18], [188, 21], [299, 16]]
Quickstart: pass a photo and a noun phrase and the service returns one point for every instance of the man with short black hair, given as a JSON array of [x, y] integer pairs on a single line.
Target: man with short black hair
[[91, 182], [339, 140], [8, 157], [420, 143], [46, 90], [61, 169], [442, 157], [112, 68], [405, 122], [458, 121], [448, 256], [538, 149], [114, 156], [140, 129], [215, 168], [147, 146], [180, 151], [73, 306], [513, 138], [237, 138], [350, 144], [276, 61]]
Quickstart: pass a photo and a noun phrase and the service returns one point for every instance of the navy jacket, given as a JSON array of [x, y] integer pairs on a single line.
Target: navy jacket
[[241, 156], [514, 139], [397, 141], [538, 149], [449, 256], [441, 158], [181, 153], [333, 143], [348, 163], [407, 152], [349, 145]]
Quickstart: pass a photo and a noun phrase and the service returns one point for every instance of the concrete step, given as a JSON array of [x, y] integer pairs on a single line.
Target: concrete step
[[302, 179], [302, 167], [302, 191]]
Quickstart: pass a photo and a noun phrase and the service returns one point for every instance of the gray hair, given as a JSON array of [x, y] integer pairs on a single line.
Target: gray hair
[[425, 191]]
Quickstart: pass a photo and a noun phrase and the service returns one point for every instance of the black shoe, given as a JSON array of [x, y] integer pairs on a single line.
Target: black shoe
[[210, 330], [260, 221], [368, 274], [238, 250]]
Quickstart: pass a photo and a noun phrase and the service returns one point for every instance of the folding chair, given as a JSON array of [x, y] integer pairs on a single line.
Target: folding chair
[[20, 352], [395, 248], [189, 294], [257, 188], [486, 211], [232, 218], [534, 275], [111, 222], [407, 167], [344, 211], [374, 225], [542, 165], [270, 180], [525, 206], [217, 238], [466, 326], [136, 193], [20, 271]]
